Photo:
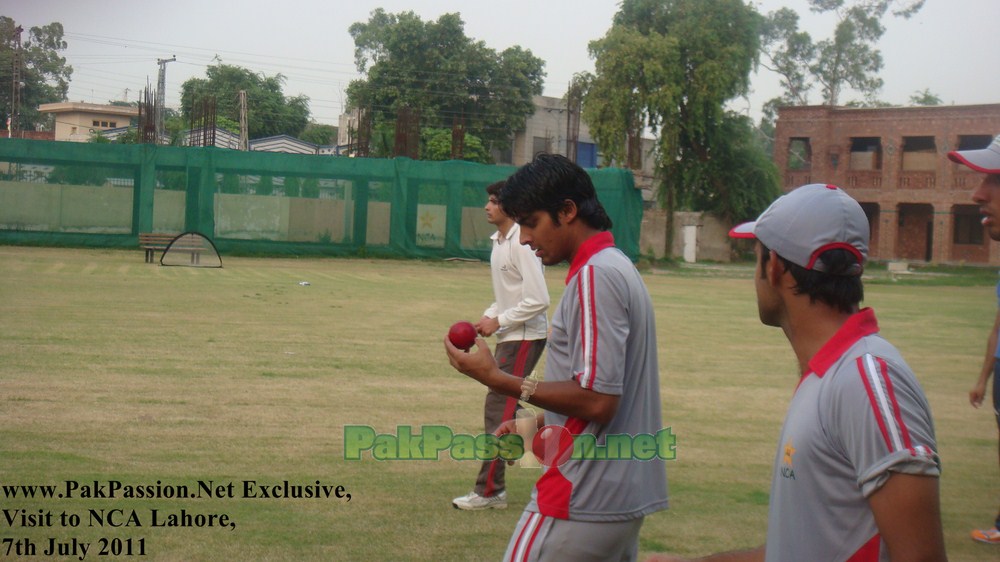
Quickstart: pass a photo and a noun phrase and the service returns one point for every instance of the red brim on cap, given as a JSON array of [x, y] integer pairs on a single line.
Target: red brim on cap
[[985, 160], [744, 230]]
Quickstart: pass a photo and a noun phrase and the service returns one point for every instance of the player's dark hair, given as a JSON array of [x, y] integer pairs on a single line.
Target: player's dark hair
[[839, 286], [546, 184], [494, 188]]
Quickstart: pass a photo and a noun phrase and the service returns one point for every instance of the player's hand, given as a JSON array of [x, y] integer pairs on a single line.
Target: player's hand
[[509, 426], [487, 326], [477, 364], [976, 395]]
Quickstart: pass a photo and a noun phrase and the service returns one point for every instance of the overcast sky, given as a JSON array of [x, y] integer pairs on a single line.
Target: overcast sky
[[950, 47]]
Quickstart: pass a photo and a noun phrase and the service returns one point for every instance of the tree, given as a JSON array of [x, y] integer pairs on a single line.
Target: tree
[[741, 180], [44, 72], [847, 59], [131, 136], [925, 98], [433, 68], [670, 66], [269, 111], [788, 52], [174, 124], [436, 145], [320, 134]]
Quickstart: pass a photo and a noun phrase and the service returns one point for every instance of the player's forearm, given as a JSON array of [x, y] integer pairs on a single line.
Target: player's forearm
[[988, 363], [991, 348], [985, 373], [567, 397], [570, 399]]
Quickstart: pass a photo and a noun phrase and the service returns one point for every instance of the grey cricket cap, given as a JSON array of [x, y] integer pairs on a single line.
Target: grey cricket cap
[[809, 220], [986, 160]]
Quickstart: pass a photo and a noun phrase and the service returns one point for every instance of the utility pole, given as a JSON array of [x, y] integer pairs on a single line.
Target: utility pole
[[244, 135], [573, 110], [161, 89], [16, 86]]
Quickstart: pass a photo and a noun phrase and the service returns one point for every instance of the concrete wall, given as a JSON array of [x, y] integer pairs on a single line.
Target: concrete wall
[[65, 208], [712, 241]]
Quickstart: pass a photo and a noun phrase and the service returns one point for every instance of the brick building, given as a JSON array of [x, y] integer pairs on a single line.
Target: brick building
[[894, 162]]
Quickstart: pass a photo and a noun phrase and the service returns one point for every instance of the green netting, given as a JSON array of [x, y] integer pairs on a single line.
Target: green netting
[[62, 193]]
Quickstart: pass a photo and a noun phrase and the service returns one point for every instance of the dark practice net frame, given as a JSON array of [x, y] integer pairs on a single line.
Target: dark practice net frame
[[191, 249]]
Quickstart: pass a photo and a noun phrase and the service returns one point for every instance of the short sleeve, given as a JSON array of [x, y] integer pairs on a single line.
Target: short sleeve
[[602, 322], [879, 419]]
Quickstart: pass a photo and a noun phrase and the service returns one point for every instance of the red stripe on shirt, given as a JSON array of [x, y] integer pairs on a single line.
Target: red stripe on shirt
[[881, 376], [588, 326], [554, 490], [869, 552], [873, 400], [903, 431]]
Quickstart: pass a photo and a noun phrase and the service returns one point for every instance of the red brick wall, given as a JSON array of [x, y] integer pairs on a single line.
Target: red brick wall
[[942, 185], [33, 135]]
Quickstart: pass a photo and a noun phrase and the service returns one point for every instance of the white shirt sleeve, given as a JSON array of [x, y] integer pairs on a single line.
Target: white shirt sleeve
[[534, 293]]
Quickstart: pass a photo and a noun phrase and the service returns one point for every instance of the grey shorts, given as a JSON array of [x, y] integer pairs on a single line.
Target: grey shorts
[[538, 538]]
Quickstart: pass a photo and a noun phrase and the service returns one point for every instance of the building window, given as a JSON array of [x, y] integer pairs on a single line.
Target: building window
[[72, 130], [96, 123], [866, 153], [104, 123], [973, 142], [113, 124], [799, 153], [968, 227], [540, 145], [919, 154]]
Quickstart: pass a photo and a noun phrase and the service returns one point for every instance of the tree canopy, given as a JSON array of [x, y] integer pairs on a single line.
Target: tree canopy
[[849, 58], [434, 69], [926, 97], [670, 66], [318, 133], [44, 71], [436, 145], [269, 111]]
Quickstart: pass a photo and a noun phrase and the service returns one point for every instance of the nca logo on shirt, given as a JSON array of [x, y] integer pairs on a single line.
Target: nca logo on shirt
[[786, 465]]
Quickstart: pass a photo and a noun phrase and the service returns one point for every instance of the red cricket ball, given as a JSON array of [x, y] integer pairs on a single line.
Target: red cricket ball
[[462, 335]]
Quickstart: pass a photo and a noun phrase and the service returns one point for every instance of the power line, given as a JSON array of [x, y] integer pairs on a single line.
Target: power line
[[297, 69]]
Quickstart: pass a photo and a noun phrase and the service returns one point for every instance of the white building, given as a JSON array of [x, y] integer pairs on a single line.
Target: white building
[[77, 121]]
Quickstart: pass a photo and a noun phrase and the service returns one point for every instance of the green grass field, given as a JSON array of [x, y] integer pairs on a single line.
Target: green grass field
[[112, 369]]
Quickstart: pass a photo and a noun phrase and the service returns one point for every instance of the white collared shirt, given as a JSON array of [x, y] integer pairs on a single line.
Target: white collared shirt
[[521, 297]]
